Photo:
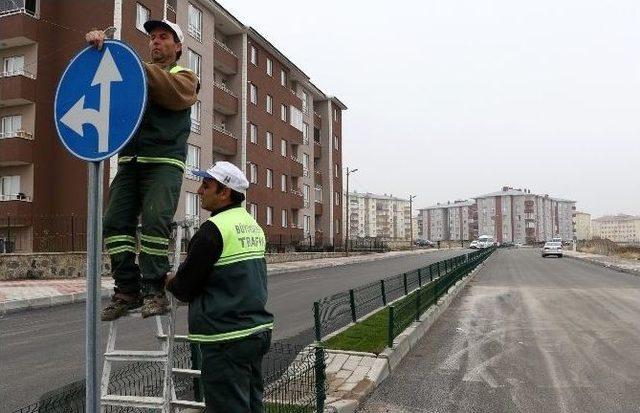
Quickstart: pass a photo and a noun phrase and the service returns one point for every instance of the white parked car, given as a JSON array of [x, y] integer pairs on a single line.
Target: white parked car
[[552, 248], [474, 244], [485, 241]]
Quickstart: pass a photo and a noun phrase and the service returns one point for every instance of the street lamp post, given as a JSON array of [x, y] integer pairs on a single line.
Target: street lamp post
[[411, 197], [346, 244]]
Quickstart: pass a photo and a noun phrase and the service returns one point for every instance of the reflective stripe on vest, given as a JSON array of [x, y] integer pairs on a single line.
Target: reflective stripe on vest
[[233, 335], [242, 237], [152, 159]]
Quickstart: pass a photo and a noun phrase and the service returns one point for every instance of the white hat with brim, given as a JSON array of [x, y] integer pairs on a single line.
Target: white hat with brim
[[227, 174], [149, 25]]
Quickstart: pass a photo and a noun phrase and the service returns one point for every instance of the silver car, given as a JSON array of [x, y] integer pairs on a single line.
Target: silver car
[[552, 248]]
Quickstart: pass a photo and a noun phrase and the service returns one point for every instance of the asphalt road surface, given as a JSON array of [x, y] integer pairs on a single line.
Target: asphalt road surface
[[526, 335], [42, 350]]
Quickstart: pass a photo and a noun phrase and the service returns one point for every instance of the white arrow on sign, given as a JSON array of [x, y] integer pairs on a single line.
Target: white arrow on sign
[[78, 115]]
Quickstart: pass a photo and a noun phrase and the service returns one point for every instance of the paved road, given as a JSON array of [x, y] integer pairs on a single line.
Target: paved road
[[41, 350], [526, 335]]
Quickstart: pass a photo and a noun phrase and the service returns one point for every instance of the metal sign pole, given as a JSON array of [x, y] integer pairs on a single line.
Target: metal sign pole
[[94, 272]]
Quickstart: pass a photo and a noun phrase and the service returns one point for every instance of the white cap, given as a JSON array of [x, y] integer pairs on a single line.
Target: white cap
[[227, 174], [152, 24]]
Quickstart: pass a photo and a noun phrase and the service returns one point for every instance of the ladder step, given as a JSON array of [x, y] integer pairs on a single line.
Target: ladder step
[[188, 403], [133, 401], [176, 337], [187, 372], [131, 355]]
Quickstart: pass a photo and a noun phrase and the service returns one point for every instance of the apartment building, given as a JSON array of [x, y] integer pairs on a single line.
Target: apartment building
[[517, 215], [379, 216], [582, 224], [255, 108], [451, 221], [621, 228]]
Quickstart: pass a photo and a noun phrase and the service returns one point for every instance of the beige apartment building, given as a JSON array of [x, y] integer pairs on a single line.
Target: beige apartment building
[[618, 228], [582, 223], [449, 221], [256, 108], [379, 216]]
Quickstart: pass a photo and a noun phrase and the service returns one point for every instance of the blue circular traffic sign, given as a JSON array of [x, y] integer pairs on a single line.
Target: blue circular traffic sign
[[100, 101]]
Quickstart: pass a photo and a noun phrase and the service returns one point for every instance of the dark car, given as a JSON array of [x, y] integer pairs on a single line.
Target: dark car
[[423, 243]]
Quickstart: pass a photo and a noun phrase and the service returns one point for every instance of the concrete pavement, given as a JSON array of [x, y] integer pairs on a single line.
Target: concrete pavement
[[29, 294]]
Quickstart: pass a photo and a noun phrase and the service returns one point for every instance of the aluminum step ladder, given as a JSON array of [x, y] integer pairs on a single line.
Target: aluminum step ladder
[[168, 402]]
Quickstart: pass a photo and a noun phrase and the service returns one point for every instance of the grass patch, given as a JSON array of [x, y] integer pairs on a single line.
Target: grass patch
[[288, 408], [369, 335]]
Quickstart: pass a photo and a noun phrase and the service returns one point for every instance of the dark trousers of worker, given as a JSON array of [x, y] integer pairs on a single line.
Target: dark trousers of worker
[[151, 192], [232, 374]]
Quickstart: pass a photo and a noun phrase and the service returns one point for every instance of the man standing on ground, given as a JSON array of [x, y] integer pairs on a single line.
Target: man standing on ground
[[224, 279], [149, 177]]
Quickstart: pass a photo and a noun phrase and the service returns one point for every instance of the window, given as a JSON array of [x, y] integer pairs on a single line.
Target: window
[[269, 178], [283, 148], [253, 173], [305, 161], [283, 112], [306, 191], [306, 224], [253, 133], [253, 93], [13, 65], [305, 109], [305, 133], [336, 197], [195, 22], [269, 104], [269, 67], [195, 117], [195, 62], [142, 15], [283, 78], [9, 187], [253, 210], [337, 226], [336, 170], [10, 126], [335, 114], [283, 183], [254, 56], [193, 159], [284, 218], [269, 139], [336, 143], [192, 208], [269, 215]]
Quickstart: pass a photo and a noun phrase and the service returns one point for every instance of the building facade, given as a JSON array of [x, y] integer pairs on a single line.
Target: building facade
[[618, 228], [582, 223], [516, 215], [379, 216], [255, 108], [449, 221]]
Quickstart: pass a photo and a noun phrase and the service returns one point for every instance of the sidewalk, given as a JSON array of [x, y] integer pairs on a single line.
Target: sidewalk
[[29, 294], [615, 263]]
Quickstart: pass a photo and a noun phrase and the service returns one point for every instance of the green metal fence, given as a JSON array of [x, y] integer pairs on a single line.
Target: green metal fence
[[337, 311]]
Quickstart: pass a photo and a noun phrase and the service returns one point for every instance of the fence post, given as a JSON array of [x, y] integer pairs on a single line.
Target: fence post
[[439, 262], [390, 330], [316, 317], [419, 277], [418, 293], [384, 293], [320, 378], [352, 303], [431, 273], [404, 281]]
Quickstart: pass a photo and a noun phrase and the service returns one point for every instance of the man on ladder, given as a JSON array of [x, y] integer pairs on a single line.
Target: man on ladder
[[224, 279], [149, 177]]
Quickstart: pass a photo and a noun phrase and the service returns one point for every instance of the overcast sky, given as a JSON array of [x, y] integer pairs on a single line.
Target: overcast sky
[[449, 99]]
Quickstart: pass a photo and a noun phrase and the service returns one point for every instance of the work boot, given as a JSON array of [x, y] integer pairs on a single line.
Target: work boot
[[155, 304], [121, 304]]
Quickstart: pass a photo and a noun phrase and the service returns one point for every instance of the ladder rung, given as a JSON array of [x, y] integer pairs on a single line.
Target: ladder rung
[[176, 337], [133, 401], [187, 372], [188, 403], [131, 355]]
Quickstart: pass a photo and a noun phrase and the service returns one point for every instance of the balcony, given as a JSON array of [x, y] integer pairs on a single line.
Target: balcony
[[18, 88], [223, 58], [17, 207], [18, 27], [318, 208], [224, 100], [317, 149], [317, 120], [317, 175], [297, 198], [295, 166], [16, 148], [224, 142]]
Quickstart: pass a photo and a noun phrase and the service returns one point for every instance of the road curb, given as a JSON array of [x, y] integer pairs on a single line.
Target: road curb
[[605, 265], [389, 359]]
